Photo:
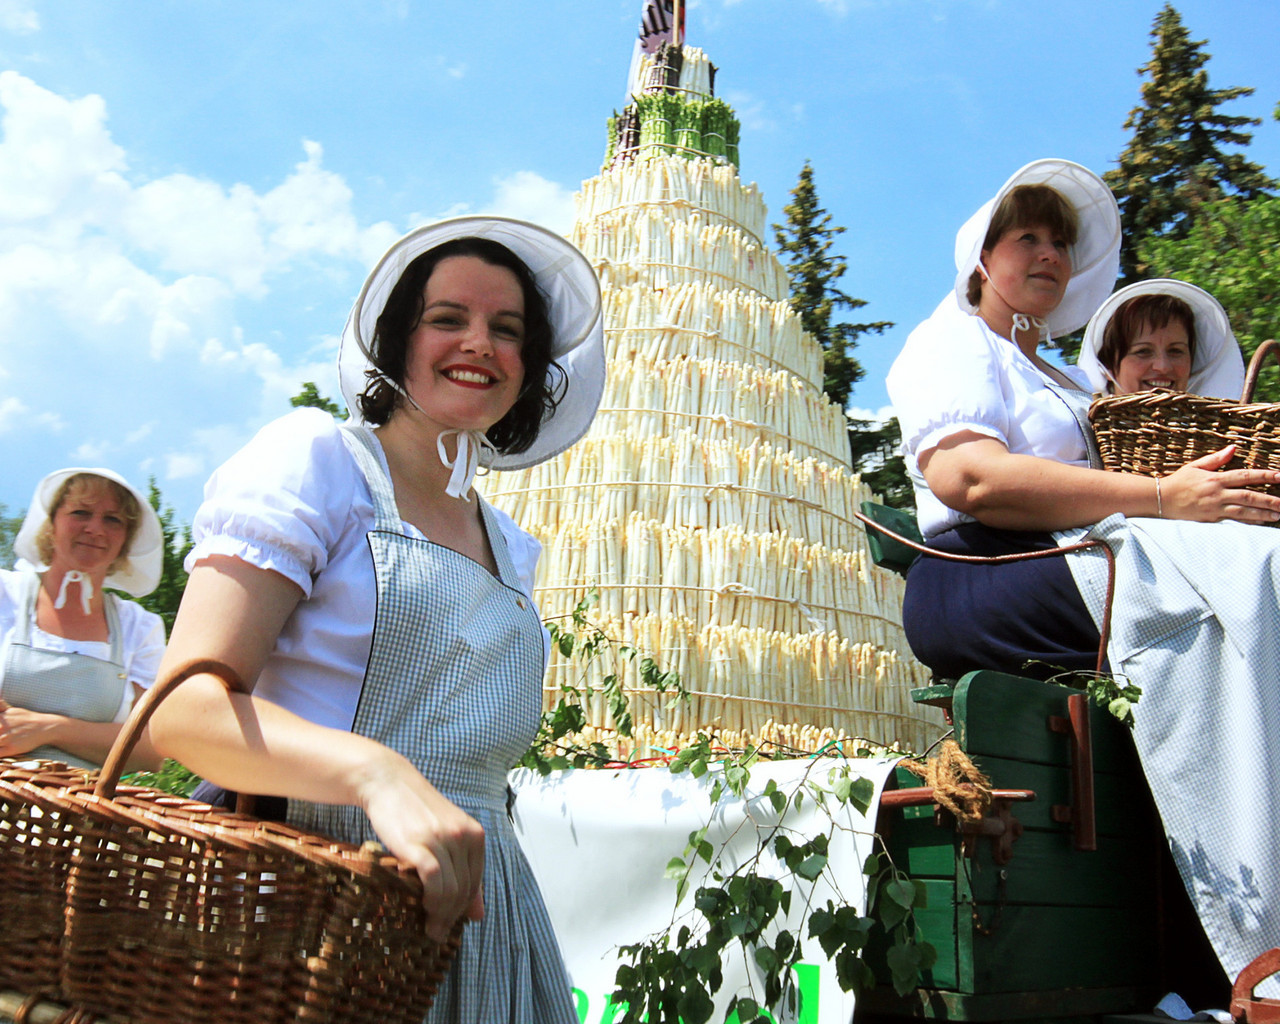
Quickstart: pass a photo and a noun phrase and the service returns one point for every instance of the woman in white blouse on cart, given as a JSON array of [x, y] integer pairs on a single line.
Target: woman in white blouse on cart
[[1000, 454], [380, 610]]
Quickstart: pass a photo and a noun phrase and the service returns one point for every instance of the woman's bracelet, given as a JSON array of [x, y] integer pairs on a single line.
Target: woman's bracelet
[[1159, 502]]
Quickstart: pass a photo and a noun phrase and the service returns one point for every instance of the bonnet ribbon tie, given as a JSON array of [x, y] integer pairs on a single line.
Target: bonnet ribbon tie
[[467, 462], [86, 589], [1024, 322]]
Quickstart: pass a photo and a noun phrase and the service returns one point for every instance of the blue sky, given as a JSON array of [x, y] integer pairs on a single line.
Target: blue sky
[[192, 190]]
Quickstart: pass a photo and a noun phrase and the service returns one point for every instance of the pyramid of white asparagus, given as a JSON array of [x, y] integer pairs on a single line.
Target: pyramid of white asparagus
[[711, 505]]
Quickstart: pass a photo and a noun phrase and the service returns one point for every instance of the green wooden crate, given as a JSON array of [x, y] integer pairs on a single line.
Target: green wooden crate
[[1057, 933]]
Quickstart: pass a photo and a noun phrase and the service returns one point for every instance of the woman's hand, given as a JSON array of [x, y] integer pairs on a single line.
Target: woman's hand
[[21, 731], [1204, 492], [443, 843]]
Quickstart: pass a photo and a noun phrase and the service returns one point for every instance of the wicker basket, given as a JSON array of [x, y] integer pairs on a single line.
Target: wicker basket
[[1154, 433], [131, 903]]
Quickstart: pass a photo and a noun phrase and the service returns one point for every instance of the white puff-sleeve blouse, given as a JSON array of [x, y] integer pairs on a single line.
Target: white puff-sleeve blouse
[[141, 638], [294, 501], [955, 374]]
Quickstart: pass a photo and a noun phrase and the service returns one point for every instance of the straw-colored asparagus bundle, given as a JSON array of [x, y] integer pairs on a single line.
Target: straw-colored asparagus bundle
[[773, 739], [722, 576], [718, 483], [710, 322], [656, 243], [739, 678], [720, 399], [691, 184], [711, 507], [696, 72]]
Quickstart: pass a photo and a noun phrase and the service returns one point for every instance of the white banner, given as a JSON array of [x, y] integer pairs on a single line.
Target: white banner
[[599, 843]]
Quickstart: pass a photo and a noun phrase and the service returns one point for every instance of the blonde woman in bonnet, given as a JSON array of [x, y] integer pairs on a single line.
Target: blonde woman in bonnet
[[380, 610], [74, 657], [1162, 333]]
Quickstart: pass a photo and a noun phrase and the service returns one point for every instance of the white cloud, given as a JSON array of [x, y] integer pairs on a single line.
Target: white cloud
[[19, 17], [92, 453], [135, 300], [529, 196], [752, 113], [11, 410], [181, 467], [876, 416]]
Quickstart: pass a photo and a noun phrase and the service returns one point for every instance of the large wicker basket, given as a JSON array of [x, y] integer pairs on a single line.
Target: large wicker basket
[[1154, 433], [129, 903]]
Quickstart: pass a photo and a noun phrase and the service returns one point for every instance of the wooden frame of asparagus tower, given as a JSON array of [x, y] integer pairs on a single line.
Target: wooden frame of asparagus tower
[[710, 506]]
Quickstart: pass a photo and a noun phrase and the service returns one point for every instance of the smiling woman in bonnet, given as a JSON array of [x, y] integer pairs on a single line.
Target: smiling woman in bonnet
[[73, 658], [1166, 333], [381, 611]]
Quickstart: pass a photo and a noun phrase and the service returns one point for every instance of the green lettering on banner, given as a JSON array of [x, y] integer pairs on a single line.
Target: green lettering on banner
[[808, 979]]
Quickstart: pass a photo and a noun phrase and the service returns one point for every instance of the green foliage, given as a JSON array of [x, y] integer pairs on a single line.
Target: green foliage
[[9, 527], [164, 600], [1107, 692], [553, 748], [310, 397], [876, 453], [172, 778], [1174, 163], [674, 976], [1231, 252], [804, 243]]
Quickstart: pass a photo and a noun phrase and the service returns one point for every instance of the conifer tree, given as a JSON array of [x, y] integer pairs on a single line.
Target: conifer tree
[[311, 397], [164, 600], [1174, 163], [804, 243]]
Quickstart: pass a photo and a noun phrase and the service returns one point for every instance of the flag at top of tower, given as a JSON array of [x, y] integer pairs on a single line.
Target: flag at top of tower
[[661, 21], [656, 20]]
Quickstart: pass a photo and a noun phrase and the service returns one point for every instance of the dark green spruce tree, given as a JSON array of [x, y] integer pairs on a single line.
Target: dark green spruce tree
[[804, 245], [1175, 162], [164, 600]]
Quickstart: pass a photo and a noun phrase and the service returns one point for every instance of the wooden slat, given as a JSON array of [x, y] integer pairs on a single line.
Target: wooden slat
[[1001, 714]]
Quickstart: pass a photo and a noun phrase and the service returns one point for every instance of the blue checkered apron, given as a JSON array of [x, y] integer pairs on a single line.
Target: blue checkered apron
[[454, 683]]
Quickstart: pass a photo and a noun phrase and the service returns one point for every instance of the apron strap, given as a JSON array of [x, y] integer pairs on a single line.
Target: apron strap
[[1081, 417], [367, 452], [26, 617]]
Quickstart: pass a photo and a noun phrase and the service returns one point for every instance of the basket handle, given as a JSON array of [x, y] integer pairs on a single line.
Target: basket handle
[[127, 738], [1255, 367]]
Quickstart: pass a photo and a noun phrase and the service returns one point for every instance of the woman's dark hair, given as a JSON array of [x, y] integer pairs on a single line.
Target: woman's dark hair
[[1026, 206], [543, 378], [1143, 312]]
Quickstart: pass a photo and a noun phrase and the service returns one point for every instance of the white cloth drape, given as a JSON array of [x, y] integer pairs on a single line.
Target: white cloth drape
[[1197, 626]]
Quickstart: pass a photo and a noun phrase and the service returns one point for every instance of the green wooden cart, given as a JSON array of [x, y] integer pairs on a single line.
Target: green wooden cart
[[1064, 908]]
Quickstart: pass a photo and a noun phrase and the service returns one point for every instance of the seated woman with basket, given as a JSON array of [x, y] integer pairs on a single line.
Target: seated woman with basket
[[1161, 333], [379, 611], [73, 658], [1001, 454]]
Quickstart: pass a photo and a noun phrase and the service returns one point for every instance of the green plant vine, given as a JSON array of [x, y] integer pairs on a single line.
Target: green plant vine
[[554, 748], [673, 977]]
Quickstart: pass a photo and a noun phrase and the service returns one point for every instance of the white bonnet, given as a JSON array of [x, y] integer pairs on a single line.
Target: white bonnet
[[572, 291], [1095, 258], [1218, 368], [141, 570]]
